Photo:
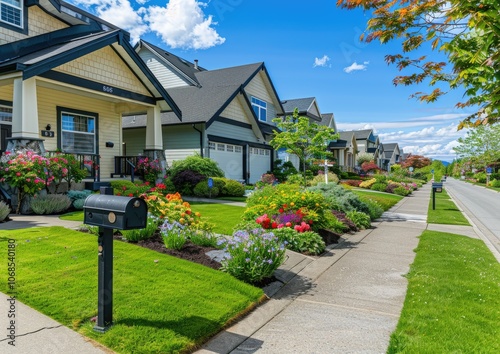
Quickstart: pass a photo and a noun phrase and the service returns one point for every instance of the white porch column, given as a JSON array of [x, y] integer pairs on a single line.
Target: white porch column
[[25, 109], [154, 138]]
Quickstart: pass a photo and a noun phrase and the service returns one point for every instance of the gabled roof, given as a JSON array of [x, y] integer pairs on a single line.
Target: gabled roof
[[363, 134], [178, 64], [346, 135], [328, 119], [390, 147], [303, 105], [40, 54], [206, 102]]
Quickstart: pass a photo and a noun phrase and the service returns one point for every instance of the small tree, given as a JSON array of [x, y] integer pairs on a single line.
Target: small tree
[[416, 161], [302, 138]]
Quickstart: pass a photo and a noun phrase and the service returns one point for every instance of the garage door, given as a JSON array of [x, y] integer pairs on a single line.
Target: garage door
[[260, 163], [229, 157]]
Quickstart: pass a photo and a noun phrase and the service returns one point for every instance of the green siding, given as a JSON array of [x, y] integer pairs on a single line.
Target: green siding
[[232, 132]]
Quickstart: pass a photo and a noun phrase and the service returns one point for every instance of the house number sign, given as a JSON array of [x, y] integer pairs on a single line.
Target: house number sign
[[47, 133]]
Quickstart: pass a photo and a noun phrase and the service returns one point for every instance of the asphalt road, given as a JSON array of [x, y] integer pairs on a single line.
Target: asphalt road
[[480, 204]]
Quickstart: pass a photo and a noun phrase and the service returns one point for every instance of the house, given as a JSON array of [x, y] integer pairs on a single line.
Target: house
[[226, 114], [66, 79], [367, 141], [392, 155], [307, 107], [345, 150]]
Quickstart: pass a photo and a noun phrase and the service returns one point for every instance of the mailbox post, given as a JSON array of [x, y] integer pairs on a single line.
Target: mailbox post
[[110, 212], [437, 187]]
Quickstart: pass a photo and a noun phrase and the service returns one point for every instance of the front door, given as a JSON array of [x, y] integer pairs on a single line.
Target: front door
[[5, 132]]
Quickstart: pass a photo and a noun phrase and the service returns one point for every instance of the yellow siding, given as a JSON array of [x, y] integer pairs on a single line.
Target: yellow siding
[[104, 66], [6, 93], [109, 122], [235, 111], [258, 89], [39, 22]]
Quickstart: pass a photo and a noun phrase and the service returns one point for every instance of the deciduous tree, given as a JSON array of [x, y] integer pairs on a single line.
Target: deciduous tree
[[416, 161], [466, 31], [302, 138]]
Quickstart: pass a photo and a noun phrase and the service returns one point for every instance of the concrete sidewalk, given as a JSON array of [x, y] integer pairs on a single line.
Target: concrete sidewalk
[[347, 301]]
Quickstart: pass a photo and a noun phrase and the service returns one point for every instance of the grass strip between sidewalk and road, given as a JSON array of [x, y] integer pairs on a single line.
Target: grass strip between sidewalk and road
[[453, 299], [446, 211], [162, 304]]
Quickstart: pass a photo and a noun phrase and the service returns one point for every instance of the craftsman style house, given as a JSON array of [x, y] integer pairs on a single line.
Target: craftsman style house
[[226, 114], [66, 79]]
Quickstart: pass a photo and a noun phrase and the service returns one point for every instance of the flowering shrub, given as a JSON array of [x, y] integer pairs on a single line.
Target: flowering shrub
[[352, 182], [369, 166], [252, 256], [367, 184], [174, 235], [150, 169], [27, 171], [291, 219]]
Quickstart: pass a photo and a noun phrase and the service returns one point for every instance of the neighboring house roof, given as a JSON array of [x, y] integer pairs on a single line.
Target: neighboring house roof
[[390, 147], [304, 106], [363, 134], [204, 103], [178, 64], [346, 135], [328, 119], [339, 144]]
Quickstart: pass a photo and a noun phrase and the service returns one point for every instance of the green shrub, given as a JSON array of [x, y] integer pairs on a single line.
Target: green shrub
[[174, 235], [379, 186], [120, 183], [202, 165], [252, 256], [137, 235], [304, 242], [282, 170], [480, 177], [201, 190], [401, 191], [295, 179], [4, 210], [495, 183], [381, 178], [340, 198], [74, 195], [375, 210], [50, 204], [78, 204], [233, 188], [361, 220], [332, 178], [203, 238]]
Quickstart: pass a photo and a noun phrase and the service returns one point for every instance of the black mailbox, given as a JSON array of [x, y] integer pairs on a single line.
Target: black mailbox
[[437, 187], [116, 212]]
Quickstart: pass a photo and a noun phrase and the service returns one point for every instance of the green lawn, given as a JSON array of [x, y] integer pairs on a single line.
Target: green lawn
[[453, 299], [224, 217], [446, 211], [386, 200], [162, 304]]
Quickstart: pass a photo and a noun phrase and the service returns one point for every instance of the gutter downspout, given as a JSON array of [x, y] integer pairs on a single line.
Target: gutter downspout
[[201, 138]]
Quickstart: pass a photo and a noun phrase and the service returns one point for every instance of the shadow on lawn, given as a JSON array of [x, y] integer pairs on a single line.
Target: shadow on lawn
[[190, 327]]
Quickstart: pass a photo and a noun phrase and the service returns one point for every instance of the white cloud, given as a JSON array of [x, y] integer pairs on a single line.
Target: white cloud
[[321, 61], [120, 13], [183, 24], [356, 67], [180, 24]]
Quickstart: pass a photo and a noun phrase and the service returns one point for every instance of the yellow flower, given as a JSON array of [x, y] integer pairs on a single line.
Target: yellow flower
[[182, 221], [292, 204], [303, 198]]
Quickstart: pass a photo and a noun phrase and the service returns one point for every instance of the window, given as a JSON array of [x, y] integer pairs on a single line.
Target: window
[[260, 108], [221, 147], [229, 148], [11, 12], [78, 132], [211, 146], [5, 115], [237, 149]]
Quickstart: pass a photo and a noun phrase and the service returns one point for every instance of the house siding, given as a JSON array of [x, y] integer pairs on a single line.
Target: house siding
[[232, 132], [109, 122], [135, 140], [39, 22], [235, 111], [167, 77], [104, 66], [257, 88], [180, 142]]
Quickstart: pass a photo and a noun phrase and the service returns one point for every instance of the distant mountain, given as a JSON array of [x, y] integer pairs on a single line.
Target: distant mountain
[[445, 163]]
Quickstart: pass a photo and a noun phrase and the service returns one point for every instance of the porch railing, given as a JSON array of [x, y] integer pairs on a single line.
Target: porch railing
[[89, 162], [124, 166]]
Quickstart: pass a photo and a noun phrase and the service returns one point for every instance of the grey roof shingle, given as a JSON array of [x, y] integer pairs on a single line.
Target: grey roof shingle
[[390, 147], [346, 135], [302, 104], [326, 119], [200, 104]]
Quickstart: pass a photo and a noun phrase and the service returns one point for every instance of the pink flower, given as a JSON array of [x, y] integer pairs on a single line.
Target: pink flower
[[18, 174]]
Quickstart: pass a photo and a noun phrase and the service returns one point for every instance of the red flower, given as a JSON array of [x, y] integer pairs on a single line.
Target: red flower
[[130, 194], [285, 206], [288, 224], [281, 210], [274, 225]]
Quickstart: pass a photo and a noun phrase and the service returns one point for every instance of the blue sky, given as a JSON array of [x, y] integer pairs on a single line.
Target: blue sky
[[311, 49]]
